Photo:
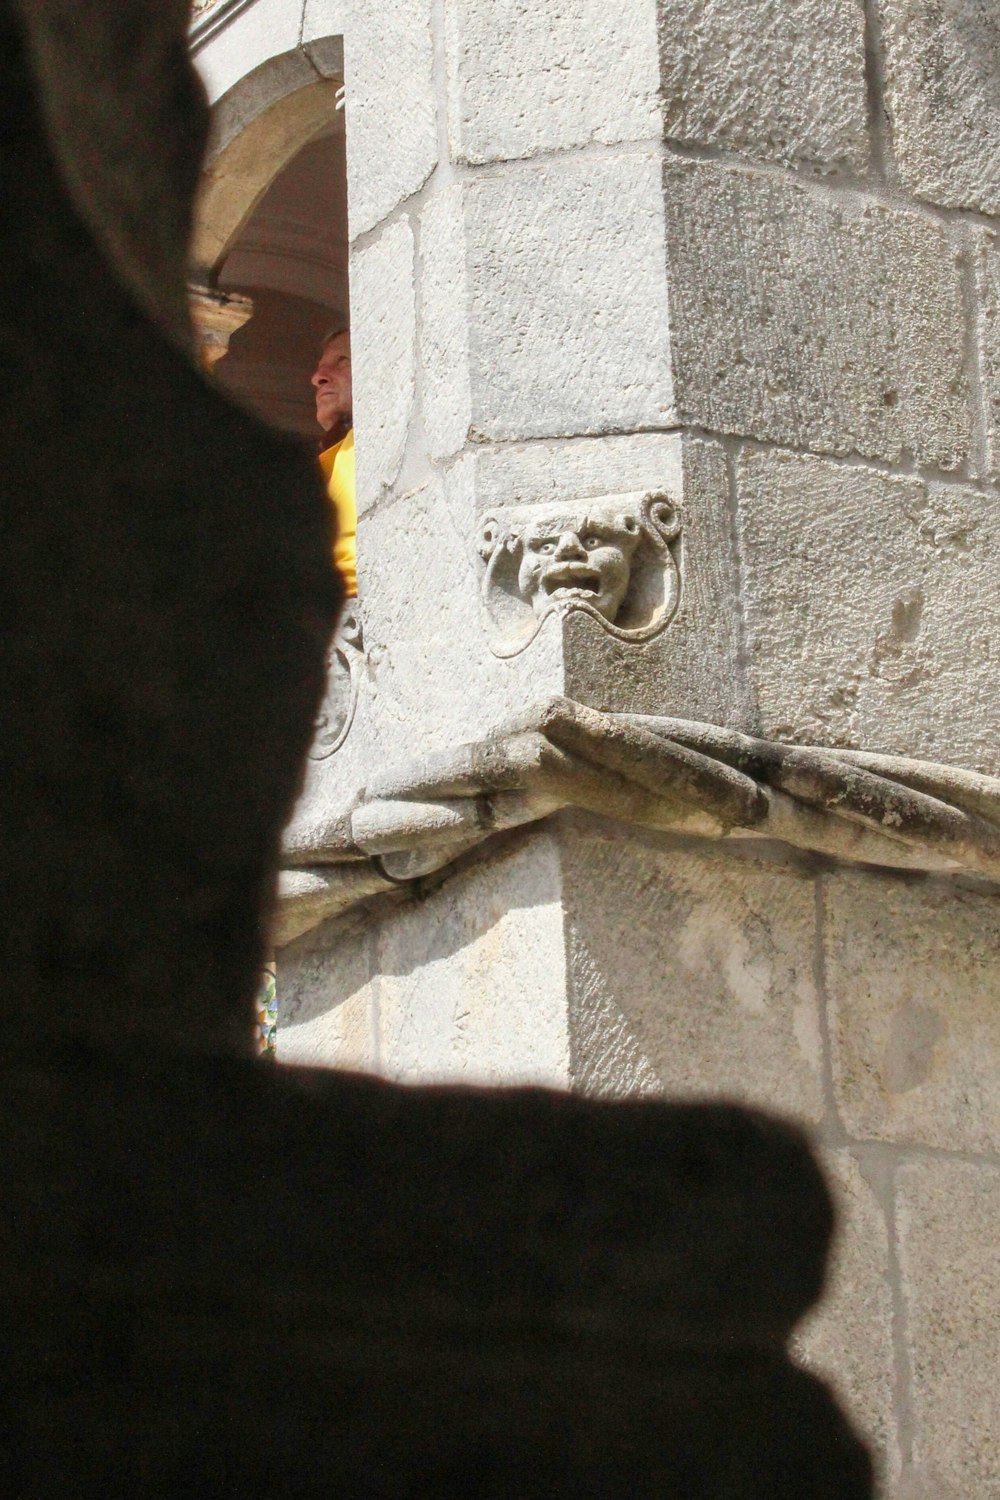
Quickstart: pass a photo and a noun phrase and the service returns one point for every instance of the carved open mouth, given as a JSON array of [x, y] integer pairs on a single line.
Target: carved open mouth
[[572, 582]]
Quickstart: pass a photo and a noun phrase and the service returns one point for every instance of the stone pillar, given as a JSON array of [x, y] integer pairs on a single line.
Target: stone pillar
[[738, 255]]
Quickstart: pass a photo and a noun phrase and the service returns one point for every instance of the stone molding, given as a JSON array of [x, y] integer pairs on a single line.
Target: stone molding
[[666, 775]]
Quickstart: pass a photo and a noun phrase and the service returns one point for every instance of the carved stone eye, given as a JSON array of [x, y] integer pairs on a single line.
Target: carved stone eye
[[590, 541], [489, 538], [545, 547]]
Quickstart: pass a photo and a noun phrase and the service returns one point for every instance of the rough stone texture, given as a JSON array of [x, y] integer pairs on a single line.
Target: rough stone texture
[[391, 112], [384, 333], [987, 263], [328, 1016], [471, 981], [694, 669], [871, 608], [708, 960], [567, 299], [942, 65], [444, 328], [913, 975], [848, 1338], [782, 80], [948, 1217], [525, 78], [820, 321], [423, 646]]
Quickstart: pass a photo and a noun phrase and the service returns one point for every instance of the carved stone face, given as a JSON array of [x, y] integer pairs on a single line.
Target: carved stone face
[[586, 560]]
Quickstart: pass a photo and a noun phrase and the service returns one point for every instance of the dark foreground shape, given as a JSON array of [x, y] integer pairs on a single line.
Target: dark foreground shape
[[240, 1282], [220, 1279]]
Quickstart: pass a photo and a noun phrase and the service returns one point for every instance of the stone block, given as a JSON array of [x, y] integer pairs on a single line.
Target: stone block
[[327, 999], [567, 299], [871, 608], [444, 334], [472, 980], [690, 968], [548, 76], [948, 1218], [383, 341], [987, 263], [780, 80], [943, 98], [913, 975], [391, 111], [824, 321], [847, 1339]]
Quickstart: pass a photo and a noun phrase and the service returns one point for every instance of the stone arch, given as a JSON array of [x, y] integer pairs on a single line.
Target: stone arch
[[257, 128], [271, 216]]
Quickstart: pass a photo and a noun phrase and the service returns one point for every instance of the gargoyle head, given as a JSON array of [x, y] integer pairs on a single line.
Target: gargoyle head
[[609, 557]]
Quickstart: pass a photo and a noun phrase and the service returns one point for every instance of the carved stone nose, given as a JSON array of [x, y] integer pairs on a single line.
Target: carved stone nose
[[570, 546]]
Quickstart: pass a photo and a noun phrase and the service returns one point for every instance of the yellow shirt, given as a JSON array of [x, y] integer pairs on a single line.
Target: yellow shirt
[[337, 464]]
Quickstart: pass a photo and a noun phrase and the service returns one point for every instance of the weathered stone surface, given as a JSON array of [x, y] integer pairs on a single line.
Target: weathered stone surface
[[943, 98], [848, 1338], [383, 334], [444, 329], [822, 321], [550, 75], [913, 975], [987, 262], [327, 1008], [472, 980], [871, 606], [708, 960], [426, 646], [425, 641], [948, 1217], [782, 80], [567, 299], [391, 111]]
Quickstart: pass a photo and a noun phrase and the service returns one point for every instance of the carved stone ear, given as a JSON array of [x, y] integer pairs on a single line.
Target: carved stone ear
[[491, 536], [661, 520]]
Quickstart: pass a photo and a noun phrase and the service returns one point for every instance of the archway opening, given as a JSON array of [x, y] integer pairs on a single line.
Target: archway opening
[[290, 258]]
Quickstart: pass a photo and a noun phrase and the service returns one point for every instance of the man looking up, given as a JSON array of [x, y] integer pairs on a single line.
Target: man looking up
[[332, 383]]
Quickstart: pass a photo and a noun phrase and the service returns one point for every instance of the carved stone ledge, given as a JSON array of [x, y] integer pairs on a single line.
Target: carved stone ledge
[[666, 775]]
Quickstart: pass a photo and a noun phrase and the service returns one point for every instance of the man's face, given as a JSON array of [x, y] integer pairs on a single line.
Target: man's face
[[588, 561], [332, 382]]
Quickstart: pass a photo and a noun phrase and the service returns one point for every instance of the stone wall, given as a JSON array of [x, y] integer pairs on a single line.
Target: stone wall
[[745, 252]]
